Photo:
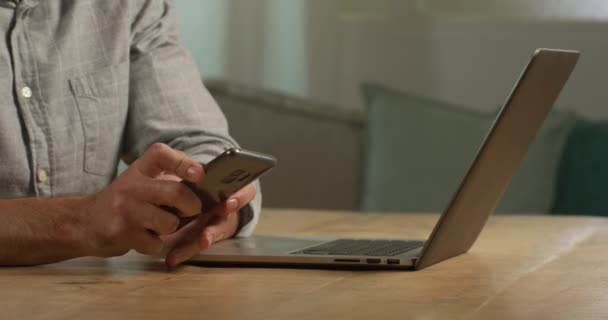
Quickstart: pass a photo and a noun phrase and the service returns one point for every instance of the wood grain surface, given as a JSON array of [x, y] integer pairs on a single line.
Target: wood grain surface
[[522, 267]]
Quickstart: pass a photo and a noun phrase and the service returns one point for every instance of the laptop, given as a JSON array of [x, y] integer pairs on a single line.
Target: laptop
[[460, 224]]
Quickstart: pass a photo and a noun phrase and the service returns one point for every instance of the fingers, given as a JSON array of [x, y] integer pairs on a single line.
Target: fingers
[[136, 225], [153, 218], [190, 242], [147, 221], [235, 202], [221, 228], [199, 239], [126, 230], [169, 193], [160, 157]]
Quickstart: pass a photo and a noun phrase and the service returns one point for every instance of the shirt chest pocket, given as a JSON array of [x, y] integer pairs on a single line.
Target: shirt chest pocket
[[102, 101]]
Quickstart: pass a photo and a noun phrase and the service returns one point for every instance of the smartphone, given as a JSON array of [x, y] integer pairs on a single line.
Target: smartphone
[[228, 173]]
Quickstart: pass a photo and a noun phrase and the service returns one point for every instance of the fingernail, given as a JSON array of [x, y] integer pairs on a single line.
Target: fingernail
[[191, 172], [233, 204]]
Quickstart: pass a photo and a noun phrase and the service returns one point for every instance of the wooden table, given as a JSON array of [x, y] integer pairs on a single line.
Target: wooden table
[[533, 267]]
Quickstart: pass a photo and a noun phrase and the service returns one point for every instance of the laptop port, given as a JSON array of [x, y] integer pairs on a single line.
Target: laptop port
[[346, 260], [393, 261], [373, 260]]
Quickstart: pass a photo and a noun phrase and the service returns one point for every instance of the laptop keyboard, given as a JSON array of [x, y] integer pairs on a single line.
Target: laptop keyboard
[[359, 247]]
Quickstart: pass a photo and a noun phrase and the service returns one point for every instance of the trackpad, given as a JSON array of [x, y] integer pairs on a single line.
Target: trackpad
[[261, 245]]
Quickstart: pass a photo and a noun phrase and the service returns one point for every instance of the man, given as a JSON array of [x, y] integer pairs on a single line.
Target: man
[[82, 84]]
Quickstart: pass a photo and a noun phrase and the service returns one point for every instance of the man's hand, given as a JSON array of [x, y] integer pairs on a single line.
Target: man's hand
[[206, 229], [126, 215]]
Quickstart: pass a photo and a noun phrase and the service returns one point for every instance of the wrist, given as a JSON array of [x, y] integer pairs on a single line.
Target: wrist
[[72, 225]]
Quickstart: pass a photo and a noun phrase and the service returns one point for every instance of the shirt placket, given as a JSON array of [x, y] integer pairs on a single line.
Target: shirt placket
[[28, 99]]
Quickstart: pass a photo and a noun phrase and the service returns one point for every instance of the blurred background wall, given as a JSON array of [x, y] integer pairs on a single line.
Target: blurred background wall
[[323, 49], [291, 75]]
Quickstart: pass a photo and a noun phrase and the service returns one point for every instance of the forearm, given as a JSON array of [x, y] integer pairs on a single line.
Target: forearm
[[37, 231]]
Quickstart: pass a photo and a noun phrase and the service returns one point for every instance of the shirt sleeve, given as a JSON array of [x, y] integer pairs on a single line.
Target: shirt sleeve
[[167, 100]]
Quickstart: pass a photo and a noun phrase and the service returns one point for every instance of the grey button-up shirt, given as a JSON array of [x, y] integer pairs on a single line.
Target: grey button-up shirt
[[85, 83]]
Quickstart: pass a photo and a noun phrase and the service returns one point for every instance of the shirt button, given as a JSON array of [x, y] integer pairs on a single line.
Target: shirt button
[[42, 175], [26, 92]]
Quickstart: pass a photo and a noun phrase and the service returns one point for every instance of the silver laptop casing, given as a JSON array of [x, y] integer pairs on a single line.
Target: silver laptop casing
[[278, 251]]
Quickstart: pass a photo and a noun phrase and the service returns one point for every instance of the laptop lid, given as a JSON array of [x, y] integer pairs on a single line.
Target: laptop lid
[[499, 156]]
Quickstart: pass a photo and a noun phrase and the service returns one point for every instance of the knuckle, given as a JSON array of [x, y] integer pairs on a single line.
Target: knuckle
[[178, 192], [182, 190], [158, 148], [182, 156], [118, 228], [119, 205]]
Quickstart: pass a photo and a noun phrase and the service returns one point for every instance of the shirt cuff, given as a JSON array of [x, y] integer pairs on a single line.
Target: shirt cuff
[[256, 206]]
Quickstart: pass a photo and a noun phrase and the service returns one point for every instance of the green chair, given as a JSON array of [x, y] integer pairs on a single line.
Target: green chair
[[418, 150], [582, 184]]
